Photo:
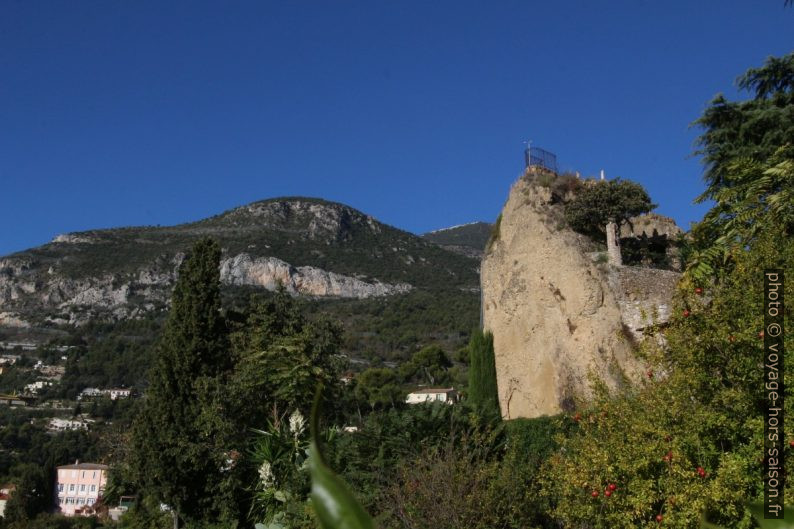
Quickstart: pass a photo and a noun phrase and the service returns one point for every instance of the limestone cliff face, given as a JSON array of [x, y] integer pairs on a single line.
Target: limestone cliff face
[[269, 272], [76, 300], [559, 315]]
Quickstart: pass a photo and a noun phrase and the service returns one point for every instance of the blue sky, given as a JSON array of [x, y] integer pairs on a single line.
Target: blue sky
[[150, 112]]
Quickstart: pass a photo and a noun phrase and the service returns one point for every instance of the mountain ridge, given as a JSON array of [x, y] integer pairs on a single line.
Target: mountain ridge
[[312, 246]]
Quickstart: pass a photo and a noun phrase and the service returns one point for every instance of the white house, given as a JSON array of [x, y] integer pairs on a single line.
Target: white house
[[59, 425], [34, 387], [118, 393], [113, 393], [89, 392], [448, 395]]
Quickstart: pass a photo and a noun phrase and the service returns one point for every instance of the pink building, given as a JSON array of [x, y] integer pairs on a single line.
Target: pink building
[[78, 487]]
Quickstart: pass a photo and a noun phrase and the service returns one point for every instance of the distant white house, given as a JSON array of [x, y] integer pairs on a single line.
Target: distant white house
[[34, 387], [448, 395], [118, 393], [113, 393], [60, 425], [89, 392]]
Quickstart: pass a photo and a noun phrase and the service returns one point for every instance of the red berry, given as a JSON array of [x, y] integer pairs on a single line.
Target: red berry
[[791, 444], [659, 518], [686, 313], [607, 493], [698, 291], [700, 470], [612, 486], [594, 494], [649, 373]]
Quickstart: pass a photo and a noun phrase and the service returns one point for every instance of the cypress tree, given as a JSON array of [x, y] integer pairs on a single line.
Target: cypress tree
[[482, 373], [179, 454]]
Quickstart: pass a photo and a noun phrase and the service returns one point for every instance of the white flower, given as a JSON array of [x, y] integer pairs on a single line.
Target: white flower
[[296, 423], [266, 475]]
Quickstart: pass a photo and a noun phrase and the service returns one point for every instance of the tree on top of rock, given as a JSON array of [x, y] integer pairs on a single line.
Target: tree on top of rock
[[599, 209]]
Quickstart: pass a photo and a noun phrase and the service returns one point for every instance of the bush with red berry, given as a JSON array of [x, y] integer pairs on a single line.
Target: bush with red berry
[[689, 443]]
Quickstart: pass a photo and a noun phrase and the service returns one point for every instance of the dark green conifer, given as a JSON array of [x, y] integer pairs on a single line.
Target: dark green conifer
[[180, 438], [483, 393]]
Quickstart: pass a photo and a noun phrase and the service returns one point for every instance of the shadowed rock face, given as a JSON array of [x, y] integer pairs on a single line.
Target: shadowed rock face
[[557, 315]]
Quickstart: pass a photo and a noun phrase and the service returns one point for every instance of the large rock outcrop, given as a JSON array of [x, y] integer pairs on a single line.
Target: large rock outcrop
[[76, 300], [558, 312], [270, 272]]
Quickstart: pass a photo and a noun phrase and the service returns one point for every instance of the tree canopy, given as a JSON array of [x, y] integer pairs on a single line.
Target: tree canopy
[[601, 202], [748, 149]]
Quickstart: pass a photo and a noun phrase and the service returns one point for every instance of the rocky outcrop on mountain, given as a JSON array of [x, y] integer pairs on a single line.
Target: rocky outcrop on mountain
[[70, 238], [270, 272], [311, 218], [558, 315], [78, 299]]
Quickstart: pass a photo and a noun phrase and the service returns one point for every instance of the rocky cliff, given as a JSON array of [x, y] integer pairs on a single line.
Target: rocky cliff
[[312, 247], [559, 314]]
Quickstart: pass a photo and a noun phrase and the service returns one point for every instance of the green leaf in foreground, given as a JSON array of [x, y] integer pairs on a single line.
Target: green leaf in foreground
[[333, 502]]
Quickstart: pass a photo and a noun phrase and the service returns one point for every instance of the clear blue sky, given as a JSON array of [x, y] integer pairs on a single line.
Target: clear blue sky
[[150, 112]]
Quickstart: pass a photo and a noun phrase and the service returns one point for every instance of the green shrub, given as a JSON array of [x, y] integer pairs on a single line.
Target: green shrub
[[494, 232], [545, 179]]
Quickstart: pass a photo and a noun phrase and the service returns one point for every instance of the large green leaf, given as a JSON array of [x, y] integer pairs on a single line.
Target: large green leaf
[[335, 505]]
